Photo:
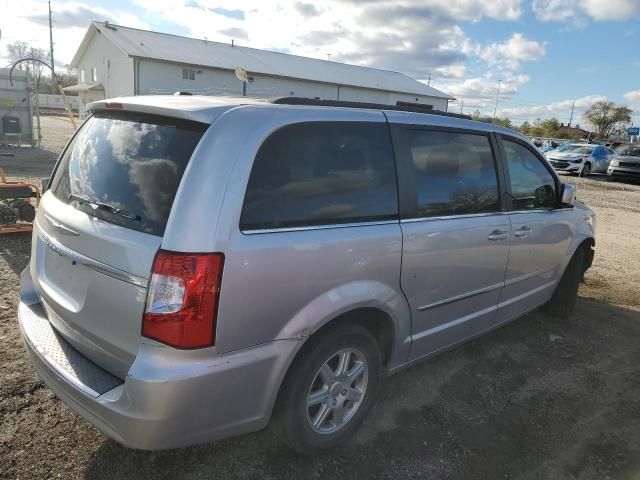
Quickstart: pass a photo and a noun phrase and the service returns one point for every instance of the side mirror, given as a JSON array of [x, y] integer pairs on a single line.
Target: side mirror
[[568, 195]]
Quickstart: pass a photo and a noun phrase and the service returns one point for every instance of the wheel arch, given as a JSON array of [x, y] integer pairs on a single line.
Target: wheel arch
[[583, 241]]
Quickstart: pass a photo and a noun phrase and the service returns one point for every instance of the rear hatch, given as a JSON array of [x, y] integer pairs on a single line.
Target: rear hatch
[[100, 225]]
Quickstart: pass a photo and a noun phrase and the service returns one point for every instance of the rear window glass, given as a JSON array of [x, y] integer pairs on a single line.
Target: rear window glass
[[322, 173], [125, 168]]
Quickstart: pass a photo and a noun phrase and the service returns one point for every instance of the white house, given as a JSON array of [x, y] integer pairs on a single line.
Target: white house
[[114, 61]]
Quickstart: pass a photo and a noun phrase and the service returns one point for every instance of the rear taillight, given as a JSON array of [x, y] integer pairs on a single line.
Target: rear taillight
[[182, 302]]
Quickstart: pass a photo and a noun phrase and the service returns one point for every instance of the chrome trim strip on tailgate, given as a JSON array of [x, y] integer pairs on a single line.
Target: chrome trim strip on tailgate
[[60, 228], [91, 263]]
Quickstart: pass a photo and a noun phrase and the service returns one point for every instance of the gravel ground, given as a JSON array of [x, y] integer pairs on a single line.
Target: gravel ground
[[538, 398]]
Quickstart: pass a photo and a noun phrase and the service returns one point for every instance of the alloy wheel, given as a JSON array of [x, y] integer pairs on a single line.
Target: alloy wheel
[[337, 391]]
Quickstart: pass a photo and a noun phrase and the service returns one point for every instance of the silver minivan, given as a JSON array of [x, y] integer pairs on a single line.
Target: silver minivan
[[201, 265]]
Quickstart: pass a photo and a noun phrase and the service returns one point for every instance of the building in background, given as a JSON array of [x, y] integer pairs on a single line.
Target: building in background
[[115, 61], [575, 133]]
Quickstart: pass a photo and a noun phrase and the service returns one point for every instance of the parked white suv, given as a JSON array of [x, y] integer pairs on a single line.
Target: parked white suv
[[199, 264]]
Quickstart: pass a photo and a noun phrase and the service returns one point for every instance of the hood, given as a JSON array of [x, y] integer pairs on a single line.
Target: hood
[[566, 156], [627, 158]]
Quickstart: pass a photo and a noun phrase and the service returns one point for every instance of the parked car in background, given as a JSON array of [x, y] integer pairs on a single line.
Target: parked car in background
[[627, 162], [615, 149], [581, 158], [199, 264], [548, 146]]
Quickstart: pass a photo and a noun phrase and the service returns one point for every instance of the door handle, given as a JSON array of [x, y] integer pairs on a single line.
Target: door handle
[[522, 232], [498, 235]]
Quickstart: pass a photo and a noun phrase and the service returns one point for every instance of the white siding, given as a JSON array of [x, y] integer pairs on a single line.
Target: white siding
[[114, 68], [166, 78], [47, 100]]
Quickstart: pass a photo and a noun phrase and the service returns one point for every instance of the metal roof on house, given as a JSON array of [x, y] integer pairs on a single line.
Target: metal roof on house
[[83, 87], [190, 51]]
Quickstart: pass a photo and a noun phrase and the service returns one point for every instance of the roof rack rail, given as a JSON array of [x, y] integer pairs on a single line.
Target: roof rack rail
[[372, 106]]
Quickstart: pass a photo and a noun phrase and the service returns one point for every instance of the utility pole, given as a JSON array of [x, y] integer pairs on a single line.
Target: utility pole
[[495, 110], [429, 81], [572, 108], [53, 69], [461, 106]]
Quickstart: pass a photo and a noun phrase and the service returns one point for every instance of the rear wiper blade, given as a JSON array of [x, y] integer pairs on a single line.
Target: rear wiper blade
[[104, 206]]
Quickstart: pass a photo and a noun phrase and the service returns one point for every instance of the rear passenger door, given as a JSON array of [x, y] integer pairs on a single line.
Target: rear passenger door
[[455, 233], [541, 229]]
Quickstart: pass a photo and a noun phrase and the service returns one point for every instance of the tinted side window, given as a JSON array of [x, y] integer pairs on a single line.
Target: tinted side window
[[455, 173], [322, 173], [532, 185]]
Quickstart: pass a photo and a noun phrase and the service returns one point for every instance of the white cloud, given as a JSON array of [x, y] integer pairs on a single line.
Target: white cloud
[[510, 53], [417, 37], [611, 9], [633, 98], [486, 88], [561, 109], [554, 10], [29, 23], [577, 11]]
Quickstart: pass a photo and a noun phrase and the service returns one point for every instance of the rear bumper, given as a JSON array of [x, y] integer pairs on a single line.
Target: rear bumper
[[169, 398]]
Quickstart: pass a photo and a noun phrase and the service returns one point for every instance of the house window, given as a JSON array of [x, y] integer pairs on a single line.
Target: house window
[[94, 74], [188, 74], [82, 76]]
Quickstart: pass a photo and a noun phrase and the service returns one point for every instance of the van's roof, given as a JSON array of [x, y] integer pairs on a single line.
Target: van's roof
[[205, 109]]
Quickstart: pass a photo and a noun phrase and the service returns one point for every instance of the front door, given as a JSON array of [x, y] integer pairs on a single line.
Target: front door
[[455, 235], [541, 231]]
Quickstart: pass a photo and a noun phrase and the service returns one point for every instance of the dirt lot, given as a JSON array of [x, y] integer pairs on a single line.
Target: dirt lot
[[539, 398]]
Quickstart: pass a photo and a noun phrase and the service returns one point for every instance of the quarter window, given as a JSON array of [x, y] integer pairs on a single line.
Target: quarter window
[[322, 173], [455, 173], [532, 185]]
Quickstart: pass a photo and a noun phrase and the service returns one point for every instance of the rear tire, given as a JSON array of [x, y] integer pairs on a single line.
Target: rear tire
[[564, 298], [320, 385]]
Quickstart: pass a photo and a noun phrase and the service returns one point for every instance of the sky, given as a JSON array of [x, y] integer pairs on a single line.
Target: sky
[[547, 54]]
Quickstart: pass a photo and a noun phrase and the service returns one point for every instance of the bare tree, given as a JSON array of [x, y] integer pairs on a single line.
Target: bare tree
[[37, 67], [606, 116], [18, 50]]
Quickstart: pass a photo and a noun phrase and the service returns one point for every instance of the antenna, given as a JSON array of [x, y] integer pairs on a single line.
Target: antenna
[[241, 74]]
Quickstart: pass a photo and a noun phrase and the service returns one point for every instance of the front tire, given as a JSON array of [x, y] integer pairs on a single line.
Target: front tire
[[330, 388], [564, 298], [586, 170]]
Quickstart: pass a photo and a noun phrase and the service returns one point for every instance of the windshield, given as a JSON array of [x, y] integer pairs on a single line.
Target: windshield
[[578, 149], [629, 150], [125, 168], [563, 147]]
